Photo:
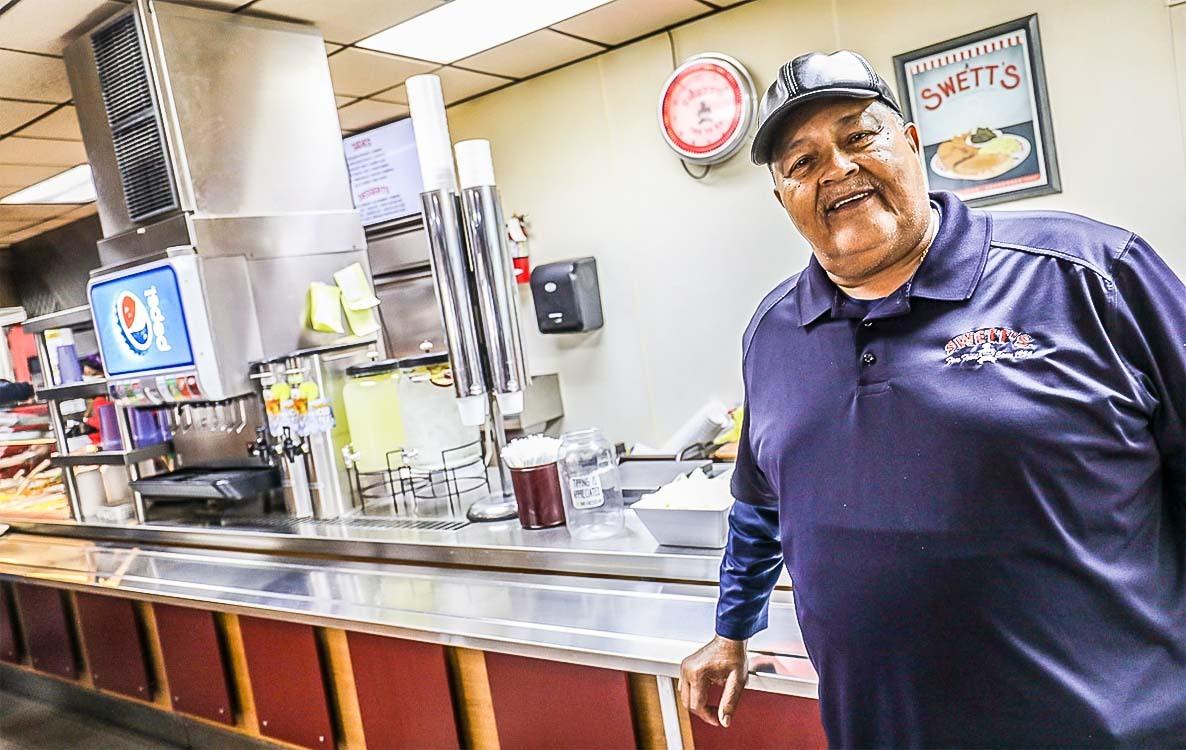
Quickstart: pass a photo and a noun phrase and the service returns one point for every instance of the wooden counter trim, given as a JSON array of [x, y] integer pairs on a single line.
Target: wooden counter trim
[[84, 664], [246, 718], [155, 656], [647, 712], [685, 726], [344, 693], [471, 692]]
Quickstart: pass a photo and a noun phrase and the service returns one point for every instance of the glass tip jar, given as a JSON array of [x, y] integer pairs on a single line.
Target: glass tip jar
[[588, 467]]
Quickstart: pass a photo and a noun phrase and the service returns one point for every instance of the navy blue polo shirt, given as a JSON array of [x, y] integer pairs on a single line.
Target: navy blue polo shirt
[[979, 487]]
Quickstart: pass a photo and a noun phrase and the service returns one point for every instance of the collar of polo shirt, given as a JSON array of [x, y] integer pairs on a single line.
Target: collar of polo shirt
[[952, 269]]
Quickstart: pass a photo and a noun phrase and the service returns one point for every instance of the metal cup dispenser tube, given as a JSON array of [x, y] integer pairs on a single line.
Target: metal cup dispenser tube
[[493, 383], [491, 260], [450, 266]]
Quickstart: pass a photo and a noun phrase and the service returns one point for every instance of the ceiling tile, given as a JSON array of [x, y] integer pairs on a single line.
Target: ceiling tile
[[342, 101], [25, 175], [623, 20], [213, 4], [14, 225], [25, 76], [11, 238], [460, 84], [369, 112], [54, 223], [346, 21], [530, 54], [81, 212], [396, 95], [725, 3], [62, 125], [15, 114], [16, 150], [32, 213], [331, 48], [357, 72], [49, 25]]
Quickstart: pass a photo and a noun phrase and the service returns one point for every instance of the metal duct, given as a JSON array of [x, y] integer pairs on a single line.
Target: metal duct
[[132, 116]]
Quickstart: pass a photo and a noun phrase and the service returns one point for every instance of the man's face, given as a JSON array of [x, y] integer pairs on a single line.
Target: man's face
[[848, 174]]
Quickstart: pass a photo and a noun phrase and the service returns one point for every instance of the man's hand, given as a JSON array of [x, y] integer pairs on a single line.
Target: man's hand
[[721, 661]]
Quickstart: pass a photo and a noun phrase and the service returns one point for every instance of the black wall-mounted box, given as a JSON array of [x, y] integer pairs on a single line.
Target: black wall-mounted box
[[567, 296]]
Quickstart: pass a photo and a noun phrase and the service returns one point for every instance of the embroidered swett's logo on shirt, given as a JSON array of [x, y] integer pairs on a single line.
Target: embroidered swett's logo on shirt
[[985, 345]]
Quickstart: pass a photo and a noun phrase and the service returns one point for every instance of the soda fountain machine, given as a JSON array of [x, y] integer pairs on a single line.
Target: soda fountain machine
[[222, 194]]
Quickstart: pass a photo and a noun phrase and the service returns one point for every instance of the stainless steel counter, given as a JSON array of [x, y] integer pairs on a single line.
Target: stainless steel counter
[[503, 545], [639, 626]]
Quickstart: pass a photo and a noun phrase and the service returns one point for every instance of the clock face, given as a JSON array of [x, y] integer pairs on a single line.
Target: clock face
[[705, 109]]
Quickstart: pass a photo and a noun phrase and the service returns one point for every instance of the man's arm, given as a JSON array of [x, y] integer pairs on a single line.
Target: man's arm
[[1149, 329], [749, 569]]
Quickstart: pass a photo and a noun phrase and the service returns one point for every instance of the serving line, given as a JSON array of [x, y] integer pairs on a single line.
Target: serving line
[[503, 545], [637, 626]]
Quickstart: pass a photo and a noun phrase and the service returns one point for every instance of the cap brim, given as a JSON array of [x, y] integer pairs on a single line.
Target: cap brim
[[769, 129]]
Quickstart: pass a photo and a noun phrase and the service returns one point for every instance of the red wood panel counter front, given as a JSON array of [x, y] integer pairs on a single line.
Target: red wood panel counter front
[[194, 662], [403, 692], [46, 627], [764, 721], [548, 705], [114, 644], [284, 664]]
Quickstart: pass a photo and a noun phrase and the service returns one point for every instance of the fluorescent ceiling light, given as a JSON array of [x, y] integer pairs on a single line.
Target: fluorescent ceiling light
[[461, 28], [72, 186]]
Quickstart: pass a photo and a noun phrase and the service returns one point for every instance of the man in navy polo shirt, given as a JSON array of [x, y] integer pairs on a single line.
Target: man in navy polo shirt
[[967, 430]]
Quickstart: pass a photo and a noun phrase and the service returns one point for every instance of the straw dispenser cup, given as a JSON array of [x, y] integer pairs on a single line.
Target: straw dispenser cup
[[532, 462]]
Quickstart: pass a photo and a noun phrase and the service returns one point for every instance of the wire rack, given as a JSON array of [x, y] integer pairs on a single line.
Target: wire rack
[[405, 489]]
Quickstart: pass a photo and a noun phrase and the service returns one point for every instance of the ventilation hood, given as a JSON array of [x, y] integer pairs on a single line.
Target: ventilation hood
[[211, 129], [218, 133]]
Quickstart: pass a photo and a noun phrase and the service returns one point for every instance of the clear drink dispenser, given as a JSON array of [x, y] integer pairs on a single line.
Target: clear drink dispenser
[[435, 437], [372, 399]]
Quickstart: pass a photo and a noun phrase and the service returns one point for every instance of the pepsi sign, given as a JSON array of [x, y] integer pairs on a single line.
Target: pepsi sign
[[145, 328]]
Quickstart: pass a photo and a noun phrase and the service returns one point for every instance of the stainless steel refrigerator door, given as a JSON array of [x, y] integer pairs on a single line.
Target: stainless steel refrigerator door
[[411, 317]]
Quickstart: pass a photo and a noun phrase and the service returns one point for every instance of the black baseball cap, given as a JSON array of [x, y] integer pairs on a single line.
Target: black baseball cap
[[815, 76]]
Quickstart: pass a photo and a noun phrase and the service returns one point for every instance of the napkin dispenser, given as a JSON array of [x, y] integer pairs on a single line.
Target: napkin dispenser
[[567, 296]]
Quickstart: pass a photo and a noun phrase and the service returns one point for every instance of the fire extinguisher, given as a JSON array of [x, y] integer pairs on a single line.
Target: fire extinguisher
[[517, 229]]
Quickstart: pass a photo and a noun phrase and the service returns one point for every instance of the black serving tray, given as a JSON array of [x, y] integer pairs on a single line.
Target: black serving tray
[[209, 483]]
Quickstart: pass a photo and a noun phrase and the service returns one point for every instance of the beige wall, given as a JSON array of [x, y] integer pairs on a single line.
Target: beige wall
[[684, 263]]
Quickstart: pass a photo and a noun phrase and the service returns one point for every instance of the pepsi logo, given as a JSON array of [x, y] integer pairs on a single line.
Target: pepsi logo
[[141, 322], [132, 315]]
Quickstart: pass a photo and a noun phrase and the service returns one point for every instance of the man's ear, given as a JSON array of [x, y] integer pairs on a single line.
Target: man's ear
[[778, 196], [911, 133]]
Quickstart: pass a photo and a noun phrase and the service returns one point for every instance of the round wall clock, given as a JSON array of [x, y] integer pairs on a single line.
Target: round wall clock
[[706, 108]]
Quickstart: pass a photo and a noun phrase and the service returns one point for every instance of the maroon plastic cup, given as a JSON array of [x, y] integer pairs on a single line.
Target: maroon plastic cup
[[537, 492]]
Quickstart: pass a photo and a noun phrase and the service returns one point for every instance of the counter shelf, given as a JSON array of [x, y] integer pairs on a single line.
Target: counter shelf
[[502, 545], [84, 389], [75, 318], [646, 627], [113, 458], [12, 443]]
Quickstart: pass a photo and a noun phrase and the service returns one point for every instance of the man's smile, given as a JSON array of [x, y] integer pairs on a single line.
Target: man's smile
[[849, 200]]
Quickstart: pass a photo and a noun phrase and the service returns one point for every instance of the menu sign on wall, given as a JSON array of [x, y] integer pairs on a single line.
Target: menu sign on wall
[[384, 172], [981, 109]]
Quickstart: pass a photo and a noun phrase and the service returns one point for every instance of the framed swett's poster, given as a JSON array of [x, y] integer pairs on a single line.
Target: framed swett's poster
[[982, 113]]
